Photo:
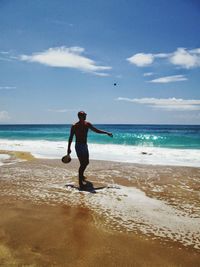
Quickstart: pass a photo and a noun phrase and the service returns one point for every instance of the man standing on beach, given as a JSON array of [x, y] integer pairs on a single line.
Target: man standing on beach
[[80, 130]]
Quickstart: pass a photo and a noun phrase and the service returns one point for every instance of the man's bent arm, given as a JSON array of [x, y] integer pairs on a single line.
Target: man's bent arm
[[70, 140], [91, 127]]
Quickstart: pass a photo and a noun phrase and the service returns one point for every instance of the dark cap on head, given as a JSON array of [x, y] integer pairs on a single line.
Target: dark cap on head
[[81, 113]]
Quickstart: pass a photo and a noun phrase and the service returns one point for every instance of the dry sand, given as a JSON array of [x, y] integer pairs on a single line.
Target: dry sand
[[145, 215]]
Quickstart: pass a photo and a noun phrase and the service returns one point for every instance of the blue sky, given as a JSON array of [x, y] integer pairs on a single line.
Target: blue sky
[[58, 57]]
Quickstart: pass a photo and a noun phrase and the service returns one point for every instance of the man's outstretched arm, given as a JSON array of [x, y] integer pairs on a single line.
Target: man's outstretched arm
[[70, 140], [91, 127]]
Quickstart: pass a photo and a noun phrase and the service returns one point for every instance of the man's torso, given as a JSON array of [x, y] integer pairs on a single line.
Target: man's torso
[[81, 131]]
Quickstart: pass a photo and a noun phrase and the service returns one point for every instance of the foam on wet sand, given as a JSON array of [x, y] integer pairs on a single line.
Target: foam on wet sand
[[3, 157], [156, 207]]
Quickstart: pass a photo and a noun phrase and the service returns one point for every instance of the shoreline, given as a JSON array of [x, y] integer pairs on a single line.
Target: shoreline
[[144, 215], [109, 152]]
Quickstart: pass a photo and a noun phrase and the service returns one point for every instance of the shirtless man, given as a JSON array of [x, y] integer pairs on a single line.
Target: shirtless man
[[80, 130]]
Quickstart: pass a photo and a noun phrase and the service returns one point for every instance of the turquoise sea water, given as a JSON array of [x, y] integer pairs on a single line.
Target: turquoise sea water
[[166, 136]]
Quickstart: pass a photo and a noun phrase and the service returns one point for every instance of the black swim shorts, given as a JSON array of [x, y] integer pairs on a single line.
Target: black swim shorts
[[81, 150]]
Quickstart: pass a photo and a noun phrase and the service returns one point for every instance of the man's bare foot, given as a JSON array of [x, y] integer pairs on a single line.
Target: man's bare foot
[[81, 186]]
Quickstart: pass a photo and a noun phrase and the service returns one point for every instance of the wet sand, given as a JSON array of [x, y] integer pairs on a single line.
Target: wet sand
[[134, 221]]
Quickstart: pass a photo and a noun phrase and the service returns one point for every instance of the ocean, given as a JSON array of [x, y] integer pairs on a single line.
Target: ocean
[[144, 144]]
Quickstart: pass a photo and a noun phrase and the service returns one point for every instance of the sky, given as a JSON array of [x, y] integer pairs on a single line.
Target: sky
[[121, 61]]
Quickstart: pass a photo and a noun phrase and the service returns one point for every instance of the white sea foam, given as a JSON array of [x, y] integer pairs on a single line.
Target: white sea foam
[[120, 153], [2, 158], [132, 209]]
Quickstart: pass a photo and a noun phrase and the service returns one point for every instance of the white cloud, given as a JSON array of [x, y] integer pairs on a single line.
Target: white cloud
[[141, 59], [185, 58], [66, 57], [5, 59], [5, 56], [62, 22], [182, 57], [4, 52], [61, 110], [146, 74], [7, 87], [161, 55], [195, 51], [145, 59], [166, 103], [169, 79], [102, 74], [4, 116]]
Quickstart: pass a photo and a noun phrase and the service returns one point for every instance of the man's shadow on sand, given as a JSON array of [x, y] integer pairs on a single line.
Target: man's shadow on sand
[[88, 187]]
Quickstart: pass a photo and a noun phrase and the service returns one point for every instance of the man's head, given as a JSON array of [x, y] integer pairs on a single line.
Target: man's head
[[82, 115]]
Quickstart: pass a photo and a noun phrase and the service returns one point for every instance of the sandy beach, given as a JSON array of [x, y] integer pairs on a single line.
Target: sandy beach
[[129, 214]]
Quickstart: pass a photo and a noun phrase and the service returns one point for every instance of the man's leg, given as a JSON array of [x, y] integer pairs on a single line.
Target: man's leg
[[83, 156], [84, 161]]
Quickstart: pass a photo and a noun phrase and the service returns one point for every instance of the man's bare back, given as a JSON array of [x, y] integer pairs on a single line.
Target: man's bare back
[[80, 130]]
